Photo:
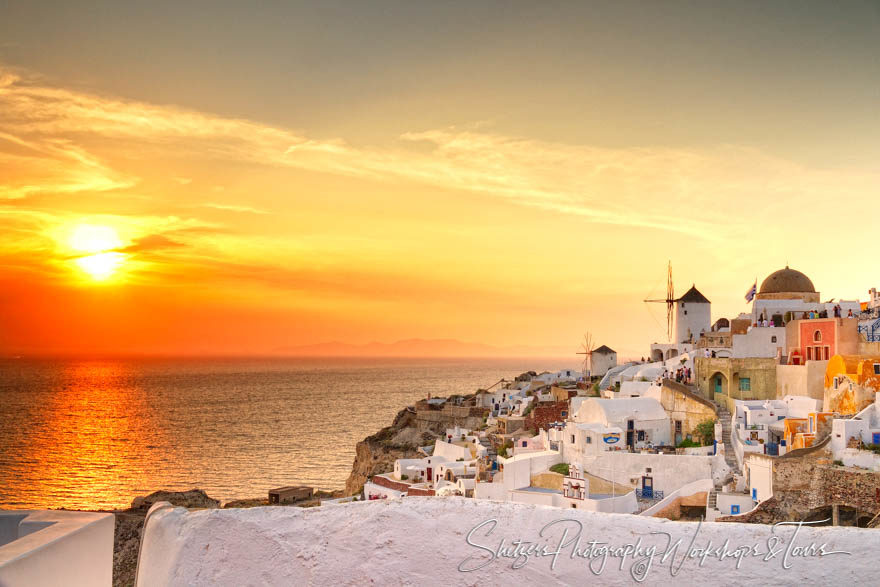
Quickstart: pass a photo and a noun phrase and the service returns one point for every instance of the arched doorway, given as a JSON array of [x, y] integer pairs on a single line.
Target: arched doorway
[[671, 353], [656, 355], [718, 383]]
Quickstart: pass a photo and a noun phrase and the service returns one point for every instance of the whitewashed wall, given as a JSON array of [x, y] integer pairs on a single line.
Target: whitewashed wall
[[430, 541]]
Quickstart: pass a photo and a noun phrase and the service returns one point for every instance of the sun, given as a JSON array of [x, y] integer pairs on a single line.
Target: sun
[[100, 244]]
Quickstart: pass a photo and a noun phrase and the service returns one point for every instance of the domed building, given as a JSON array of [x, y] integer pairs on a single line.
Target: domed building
[[788, 294], [788, 284]]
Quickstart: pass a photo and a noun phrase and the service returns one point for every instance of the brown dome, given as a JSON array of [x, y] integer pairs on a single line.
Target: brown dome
[[787, 281]]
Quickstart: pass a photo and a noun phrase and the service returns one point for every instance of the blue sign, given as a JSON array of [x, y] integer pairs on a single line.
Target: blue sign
[[611, 438]]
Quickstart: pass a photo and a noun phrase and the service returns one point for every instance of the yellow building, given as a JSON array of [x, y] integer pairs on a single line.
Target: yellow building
[[802, 440], [850, 383], [793, 427]]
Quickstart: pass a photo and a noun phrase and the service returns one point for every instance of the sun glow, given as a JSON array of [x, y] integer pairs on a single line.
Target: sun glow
[[102, 242]]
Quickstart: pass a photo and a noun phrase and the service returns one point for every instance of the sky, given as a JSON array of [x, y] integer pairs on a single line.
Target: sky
[[222, 178]]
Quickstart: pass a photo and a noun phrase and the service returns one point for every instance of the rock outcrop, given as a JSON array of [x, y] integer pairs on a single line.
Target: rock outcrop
[[412, 427], [192, 499], [377, 453]]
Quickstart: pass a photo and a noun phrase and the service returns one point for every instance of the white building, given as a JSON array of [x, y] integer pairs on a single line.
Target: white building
[[692, 315], [643, 420], [602, 360], [848, 434]]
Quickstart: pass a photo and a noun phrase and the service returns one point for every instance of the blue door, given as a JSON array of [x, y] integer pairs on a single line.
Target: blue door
[[875, 438], [754, 494], [734, 509], [647, 487]]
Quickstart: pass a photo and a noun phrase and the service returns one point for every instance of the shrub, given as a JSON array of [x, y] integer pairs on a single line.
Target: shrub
[[561, 468], [404, 477], [688, 443], [705, 431], [839, 463]]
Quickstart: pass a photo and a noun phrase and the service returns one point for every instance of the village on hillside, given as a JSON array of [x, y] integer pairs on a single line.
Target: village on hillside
[[768, 416]]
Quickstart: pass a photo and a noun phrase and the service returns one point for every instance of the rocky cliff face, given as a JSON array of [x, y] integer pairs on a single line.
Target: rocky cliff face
[[411, 429], [377, 453]]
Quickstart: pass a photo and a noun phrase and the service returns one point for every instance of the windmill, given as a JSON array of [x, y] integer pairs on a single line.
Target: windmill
[[669, 301], [587, 351]]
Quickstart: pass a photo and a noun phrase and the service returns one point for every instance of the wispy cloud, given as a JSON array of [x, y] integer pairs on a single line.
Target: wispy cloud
[[53, 126], [234, 208], [62, 141]]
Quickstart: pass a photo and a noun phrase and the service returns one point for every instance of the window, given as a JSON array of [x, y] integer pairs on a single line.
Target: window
[[745, 384], [826, 353], [836, 382], [876, 368], [685, 312], [809, 353], [563, 414], [589, 440], [772, 339], [525, 444], [817, 336], [734, 509], [572, 438], [641, 436]]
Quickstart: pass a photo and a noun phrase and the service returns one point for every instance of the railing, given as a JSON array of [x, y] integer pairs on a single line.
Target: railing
[[655, 494], [871, 331]]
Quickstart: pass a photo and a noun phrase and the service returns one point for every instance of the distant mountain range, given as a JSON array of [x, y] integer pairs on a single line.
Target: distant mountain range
[[417, 347]]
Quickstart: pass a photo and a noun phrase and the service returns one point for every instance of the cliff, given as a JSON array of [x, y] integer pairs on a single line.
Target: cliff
[[413, 427], [377, 453]]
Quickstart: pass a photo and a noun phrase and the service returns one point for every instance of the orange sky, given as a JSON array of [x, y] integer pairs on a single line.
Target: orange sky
[[245, 227]]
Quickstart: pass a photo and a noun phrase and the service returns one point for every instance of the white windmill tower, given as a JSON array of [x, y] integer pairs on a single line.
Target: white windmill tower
[[587, 351]]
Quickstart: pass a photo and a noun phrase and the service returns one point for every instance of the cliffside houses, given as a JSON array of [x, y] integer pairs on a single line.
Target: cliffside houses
[[713, 426]]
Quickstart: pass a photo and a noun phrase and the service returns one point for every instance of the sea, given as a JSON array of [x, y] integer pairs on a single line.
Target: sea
[[95, 433]]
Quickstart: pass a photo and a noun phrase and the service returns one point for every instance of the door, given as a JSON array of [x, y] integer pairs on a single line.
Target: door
[[755, 493], [718, 384], [647, 487], [630, 434], [429, 474], [734, 509]]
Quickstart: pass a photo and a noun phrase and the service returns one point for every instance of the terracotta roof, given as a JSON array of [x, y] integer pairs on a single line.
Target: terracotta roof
[[693, 296]]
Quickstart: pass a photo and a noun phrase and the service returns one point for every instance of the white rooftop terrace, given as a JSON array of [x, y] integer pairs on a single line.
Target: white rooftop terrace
[[50, 547]]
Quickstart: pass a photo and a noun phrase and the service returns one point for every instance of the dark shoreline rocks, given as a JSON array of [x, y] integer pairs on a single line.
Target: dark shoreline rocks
[[130, 522]]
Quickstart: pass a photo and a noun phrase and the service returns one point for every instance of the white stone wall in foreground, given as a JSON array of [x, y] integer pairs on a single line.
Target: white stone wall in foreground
[[423, 541]]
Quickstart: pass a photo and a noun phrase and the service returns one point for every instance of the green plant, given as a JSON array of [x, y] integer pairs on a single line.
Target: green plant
[[687, 443], [502, 452], [561, 468], [705, 431], [404, 477], [873, 447], [839, 463]]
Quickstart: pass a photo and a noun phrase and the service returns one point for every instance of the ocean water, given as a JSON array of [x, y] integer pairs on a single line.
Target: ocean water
[[93, 434]]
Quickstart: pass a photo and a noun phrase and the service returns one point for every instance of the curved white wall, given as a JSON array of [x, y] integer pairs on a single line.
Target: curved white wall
[[424, 541]]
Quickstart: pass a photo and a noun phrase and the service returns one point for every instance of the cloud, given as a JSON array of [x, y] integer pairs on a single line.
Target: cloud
[[53, 136], [234, 208], [599, 185], [151, 242]]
